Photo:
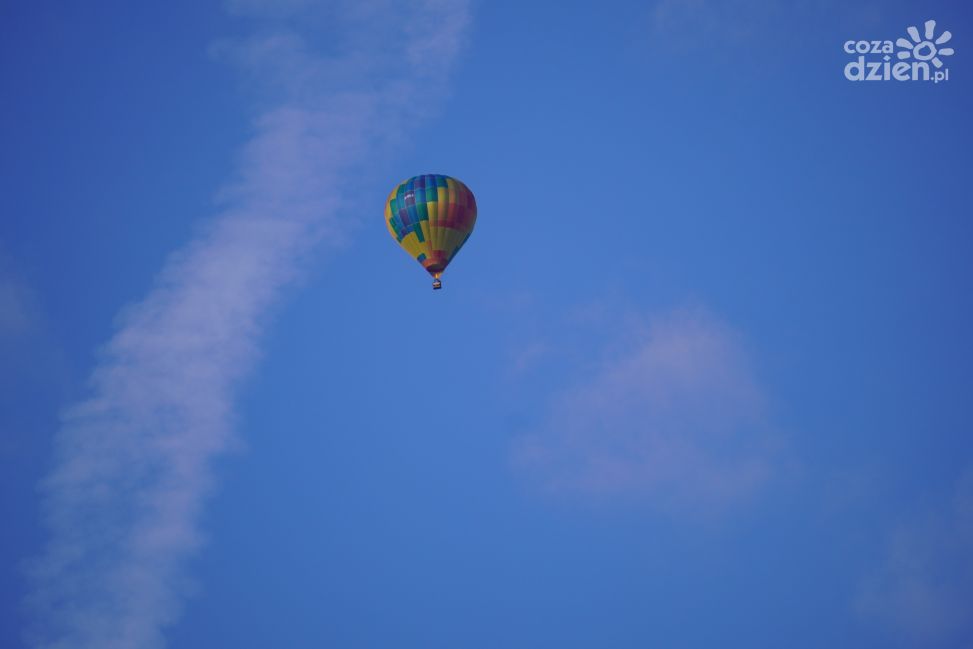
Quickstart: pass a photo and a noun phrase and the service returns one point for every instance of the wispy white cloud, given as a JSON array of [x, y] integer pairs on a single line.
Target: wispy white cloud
[[758, 28], [674, 417], [922, 593], [132, 461], [698, 23], [31, 360], [16, 304]]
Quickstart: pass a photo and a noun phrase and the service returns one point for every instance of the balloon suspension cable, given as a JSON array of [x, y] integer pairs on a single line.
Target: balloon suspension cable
[[436, 284]]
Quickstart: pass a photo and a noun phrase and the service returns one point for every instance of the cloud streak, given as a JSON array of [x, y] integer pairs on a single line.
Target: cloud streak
[[676, 420], [132, 465], [922, 592], [16, 308]]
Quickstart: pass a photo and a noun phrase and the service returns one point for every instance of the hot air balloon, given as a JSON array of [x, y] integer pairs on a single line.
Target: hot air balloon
[[431, 217]]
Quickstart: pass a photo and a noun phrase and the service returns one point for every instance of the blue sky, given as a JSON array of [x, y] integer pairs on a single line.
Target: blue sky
[[700, 376]]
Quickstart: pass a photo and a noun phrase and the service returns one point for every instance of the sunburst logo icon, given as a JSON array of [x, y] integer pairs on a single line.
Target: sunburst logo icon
[[925, 49]]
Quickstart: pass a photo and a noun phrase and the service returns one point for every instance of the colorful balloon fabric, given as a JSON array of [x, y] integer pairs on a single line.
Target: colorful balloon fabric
[[431, 217]]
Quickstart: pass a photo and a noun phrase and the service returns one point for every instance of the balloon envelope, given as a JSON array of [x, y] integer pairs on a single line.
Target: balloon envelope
[[431, 217]]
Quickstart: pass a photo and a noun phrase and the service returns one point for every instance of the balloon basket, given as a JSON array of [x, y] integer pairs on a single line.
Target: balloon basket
[[436, 285]]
